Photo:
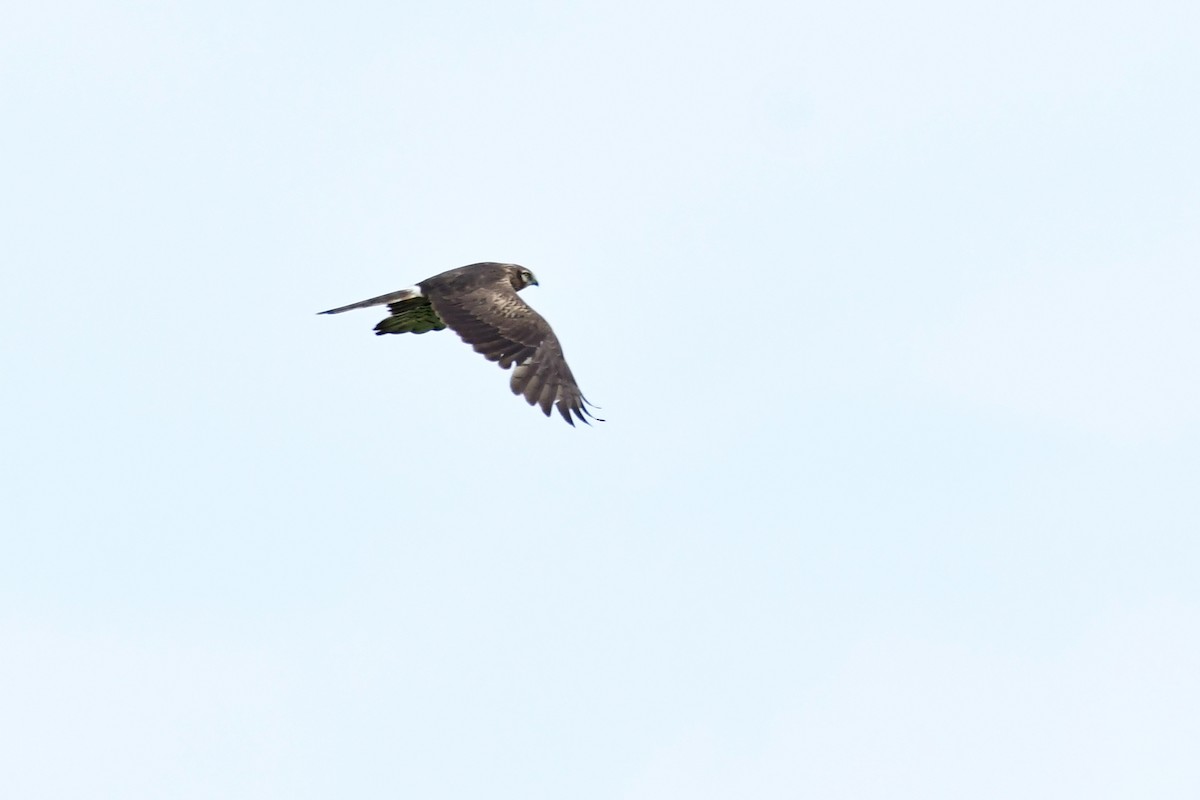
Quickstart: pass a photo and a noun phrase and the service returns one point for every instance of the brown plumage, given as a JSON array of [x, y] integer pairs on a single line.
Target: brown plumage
[[479, 302]]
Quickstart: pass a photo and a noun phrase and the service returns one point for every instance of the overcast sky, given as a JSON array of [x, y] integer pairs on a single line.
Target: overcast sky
[[891, 309]]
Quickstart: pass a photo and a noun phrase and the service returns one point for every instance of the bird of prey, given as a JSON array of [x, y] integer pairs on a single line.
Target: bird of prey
[[479, 302]]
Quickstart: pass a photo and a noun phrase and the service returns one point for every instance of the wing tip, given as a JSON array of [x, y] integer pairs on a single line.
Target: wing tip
[[579, 411]]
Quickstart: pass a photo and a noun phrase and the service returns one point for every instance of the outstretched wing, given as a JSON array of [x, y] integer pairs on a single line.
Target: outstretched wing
[[503, 328]]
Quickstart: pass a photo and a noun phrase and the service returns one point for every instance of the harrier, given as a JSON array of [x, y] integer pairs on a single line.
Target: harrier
[[479, 302]]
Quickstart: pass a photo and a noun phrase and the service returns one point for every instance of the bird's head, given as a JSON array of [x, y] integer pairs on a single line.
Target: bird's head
[[520, 277]]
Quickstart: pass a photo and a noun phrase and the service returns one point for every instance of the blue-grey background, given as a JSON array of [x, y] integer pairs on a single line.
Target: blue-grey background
[[891, 309]]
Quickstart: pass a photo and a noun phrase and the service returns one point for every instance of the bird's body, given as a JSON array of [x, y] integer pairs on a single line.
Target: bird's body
[[479, 302]]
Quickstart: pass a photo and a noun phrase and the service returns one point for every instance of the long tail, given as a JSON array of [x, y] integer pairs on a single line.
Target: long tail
[[391, 297]]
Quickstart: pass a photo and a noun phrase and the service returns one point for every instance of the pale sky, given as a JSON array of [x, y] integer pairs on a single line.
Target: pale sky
[[891, 310]]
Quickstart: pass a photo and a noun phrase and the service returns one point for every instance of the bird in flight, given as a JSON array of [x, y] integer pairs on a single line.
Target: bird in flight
[[479, 302]]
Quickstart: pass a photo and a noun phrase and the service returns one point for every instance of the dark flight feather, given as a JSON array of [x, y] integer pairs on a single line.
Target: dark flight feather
[[415, 315]]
